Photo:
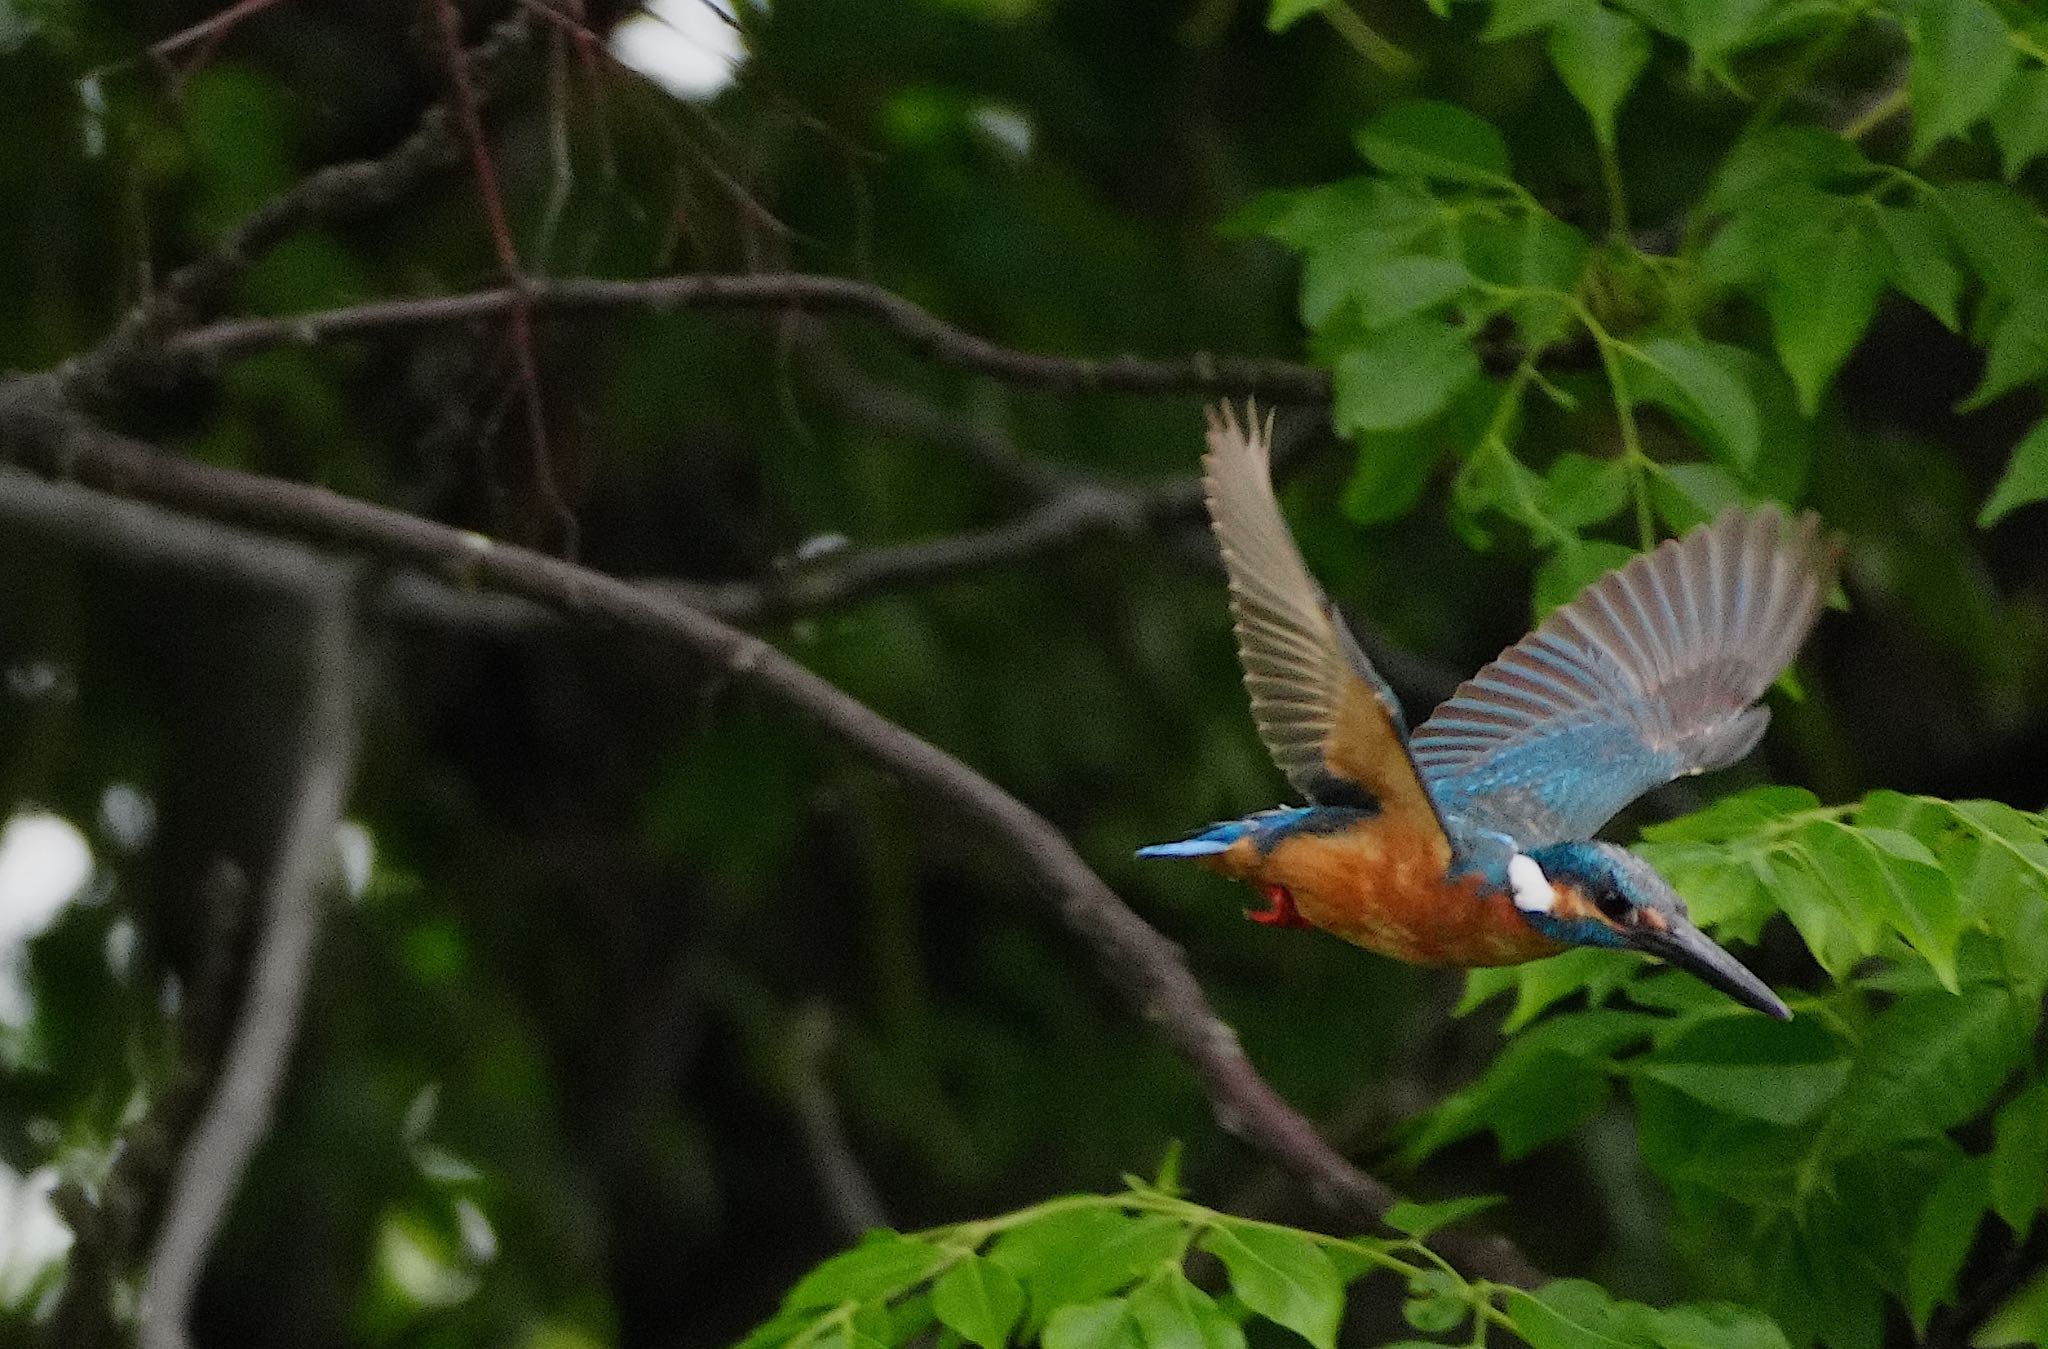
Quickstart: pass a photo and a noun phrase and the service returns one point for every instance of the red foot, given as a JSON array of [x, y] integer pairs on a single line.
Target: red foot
[[1279, 910]]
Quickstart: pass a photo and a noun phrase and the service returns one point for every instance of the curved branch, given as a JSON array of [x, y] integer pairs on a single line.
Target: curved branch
[[1146, 968], [917, 328]]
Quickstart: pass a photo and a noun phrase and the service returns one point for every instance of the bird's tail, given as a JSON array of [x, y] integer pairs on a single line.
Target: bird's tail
[[1217, 838], [1205, 844]]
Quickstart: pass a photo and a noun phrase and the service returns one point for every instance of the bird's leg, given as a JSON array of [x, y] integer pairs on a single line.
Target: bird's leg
[[1279, 910]]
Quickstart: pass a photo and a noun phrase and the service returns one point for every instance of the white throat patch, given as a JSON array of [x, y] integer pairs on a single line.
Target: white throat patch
[[1532, 889]]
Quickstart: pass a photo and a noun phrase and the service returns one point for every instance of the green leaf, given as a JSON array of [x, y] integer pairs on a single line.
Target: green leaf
[[2021, 1319], [1368, 266], [1174, 1314], [1573, 1311], [2024, 834], [1578, 491], [1571, 567], [980, 1300], [1401, 376], [1929, 1062], [2019, 1159], [2019, 122], [1765, 169], [1419, 1220], [1782, 1072], [1685, 495], [1539, 1089], [1436, 1302], [1399, 288], [1734, 816], [1599, 54], [2019, 351], [1714, 1325], [884, 1263], [1961, 61], [1919, 261], [1724, 891], [1716, 29], [1513, 18], [1913, 896], [1108, 1324], [1541, 984], [1082, 1254], [1533, 251], [1283, 1276], [1284, 14], [1702, 383], [778, 1330], [1567, 1314], [2001, 236], [1393, 467], [1378, 216], [1831, 918], [2025, 480], [1423, 139], [1822, 294], [1942, 1237]]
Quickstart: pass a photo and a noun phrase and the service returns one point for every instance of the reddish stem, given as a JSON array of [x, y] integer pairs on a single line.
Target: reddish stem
[[520, 316]]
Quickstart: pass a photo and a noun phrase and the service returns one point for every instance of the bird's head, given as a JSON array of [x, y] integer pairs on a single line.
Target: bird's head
[[1597, 894]]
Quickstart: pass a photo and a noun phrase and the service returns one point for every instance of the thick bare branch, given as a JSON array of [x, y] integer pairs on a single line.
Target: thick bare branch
[[917, 328], [1146, 968]]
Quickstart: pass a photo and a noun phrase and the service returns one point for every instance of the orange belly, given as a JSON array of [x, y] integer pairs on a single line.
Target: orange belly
[[1387, 892]]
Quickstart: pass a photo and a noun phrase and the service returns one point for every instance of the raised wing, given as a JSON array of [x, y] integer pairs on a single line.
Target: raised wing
[[1329, 721], [1650, 674]]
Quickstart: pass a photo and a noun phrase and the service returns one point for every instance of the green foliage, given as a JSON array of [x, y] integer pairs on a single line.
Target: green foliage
[[1444, 261], [1111, 1272], [1844, 1143]]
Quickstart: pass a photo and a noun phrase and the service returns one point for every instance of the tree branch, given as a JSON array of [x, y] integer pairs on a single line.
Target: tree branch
[[1146, 968], [252, 1072], [336, 191], [922, 331]]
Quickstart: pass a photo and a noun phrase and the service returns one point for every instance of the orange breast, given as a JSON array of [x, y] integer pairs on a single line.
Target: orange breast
[[1383, 888]]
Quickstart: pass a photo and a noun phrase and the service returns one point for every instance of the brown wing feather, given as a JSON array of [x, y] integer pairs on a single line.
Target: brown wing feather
[[1322, 712]]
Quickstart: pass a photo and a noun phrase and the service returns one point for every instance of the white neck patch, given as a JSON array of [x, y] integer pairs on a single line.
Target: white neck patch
[[1532, 889]]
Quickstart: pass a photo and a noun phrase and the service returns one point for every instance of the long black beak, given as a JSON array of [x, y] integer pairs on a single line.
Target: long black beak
[[1686, 947]]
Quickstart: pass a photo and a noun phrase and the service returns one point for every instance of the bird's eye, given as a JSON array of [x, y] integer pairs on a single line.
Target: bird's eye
[[1612, 906]]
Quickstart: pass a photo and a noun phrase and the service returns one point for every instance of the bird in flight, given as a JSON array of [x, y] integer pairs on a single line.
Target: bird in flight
[[1471, 842]]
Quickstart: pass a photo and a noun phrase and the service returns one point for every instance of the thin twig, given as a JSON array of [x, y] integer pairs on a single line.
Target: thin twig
[[1148, 970], [252, 1073], [922, 331], [469, 122], [207, 30], [850, 1193]]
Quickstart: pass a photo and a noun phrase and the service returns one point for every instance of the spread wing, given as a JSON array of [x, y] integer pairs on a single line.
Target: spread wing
[[1327, 718], [1650, 674]]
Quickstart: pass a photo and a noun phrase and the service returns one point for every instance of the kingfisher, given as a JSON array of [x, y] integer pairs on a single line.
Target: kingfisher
[[1470, 843]]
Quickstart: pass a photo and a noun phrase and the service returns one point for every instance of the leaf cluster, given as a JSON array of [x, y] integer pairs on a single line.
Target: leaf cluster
[[1453, 299], [1853, 1153], [1113, 1272]]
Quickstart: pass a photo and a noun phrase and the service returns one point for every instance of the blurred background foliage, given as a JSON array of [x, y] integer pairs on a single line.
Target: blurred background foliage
[[631, 968]]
